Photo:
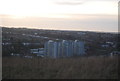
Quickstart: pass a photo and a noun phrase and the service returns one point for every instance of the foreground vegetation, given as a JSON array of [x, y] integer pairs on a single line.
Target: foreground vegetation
[[66, 68]]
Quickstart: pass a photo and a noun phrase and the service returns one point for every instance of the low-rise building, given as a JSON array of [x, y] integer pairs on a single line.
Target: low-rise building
[[38, 52]]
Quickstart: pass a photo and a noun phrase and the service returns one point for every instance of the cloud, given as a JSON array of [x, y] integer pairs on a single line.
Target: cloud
[[69, 3], [80, 22], [76, 2]]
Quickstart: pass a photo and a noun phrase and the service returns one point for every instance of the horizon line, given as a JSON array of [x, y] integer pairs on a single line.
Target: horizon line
[[24, 27]]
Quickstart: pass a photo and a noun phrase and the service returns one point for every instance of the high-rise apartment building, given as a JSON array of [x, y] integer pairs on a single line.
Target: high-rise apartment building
[[64, 48]]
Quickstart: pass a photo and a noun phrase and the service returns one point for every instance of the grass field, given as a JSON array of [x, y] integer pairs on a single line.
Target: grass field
[[66, 68]]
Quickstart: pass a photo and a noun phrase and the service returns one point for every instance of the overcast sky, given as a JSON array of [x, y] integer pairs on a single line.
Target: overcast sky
[[87, 15]]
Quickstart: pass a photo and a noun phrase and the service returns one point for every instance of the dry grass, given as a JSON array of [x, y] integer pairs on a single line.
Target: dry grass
[[67, 68]]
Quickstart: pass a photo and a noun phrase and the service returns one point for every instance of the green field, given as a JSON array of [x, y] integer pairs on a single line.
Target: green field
[[66, 68]]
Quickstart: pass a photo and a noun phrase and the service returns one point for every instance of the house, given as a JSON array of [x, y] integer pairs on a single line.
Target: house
[[114, 53], [38, 51]]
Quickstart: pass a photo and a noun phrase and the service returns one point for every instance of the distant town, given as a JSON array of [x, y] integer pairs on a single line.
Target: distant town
[[31, 43]]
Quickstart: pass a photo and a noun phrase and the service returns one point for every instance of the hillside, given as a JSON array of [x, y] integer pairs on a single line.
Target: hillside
[[68, 68]]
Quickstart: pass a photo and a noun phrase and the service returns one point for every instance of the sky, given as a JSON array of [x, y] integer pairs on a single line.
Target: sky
[[79, 15]]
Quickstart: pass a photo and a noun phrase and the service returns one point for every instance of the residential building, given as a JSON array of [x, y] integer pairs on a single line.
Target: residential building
[[58, 49]]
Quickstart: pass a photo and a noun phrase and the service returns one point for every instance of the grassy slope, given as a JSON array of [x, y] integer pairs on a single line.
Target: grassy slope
[[69, 68]]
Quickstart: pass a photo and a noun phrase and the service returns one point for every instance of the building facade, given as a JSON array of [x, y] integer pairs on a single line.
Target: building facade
[[57, 49]]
